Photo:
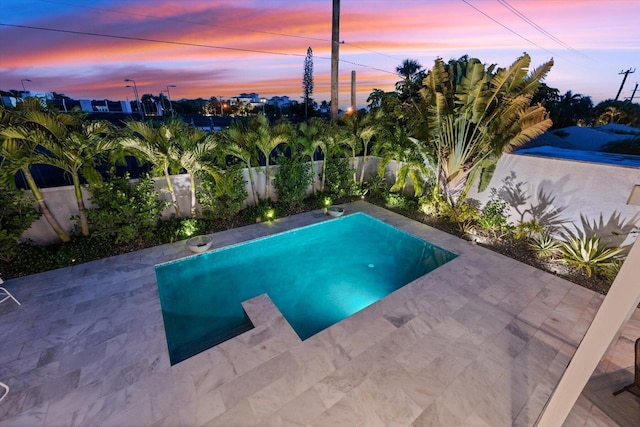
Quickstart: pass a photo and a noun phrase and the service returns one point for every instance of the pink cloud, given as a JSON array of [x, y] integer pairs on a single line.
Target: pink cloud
[[397, 30]]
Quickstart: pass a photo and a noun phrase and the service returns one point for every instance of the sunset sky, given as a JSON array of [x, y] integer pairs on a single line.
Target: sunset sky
[[222, 48]]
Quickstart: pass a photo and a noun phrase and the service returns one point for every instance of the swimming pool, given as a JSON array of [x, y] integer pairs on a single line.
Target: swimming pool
[[316, 276]]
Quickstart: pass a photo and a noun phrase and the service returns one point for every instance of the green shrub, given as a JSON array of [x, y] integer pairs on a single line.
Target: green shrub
[[339, 178], [292, 181], [493, 216], [401, 201], [175, 229], [32, 258], [529, 229], [433, 204], [125, 212], [377, 188], [464, 215], [80, 249], [264, 211], [223, 196], [16, 216]]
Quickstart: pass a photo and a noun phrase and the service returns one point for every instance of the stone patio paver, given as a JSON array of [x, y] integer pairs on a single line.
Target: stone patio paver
[[480, 341]]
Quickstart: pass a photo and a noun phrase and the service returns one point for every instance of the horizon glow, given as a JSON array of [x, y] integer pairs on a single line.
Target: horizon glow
[[598, 40]]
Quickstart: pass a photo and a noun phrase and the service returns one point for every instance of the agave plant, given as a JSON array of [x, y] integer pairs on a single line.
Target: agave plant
[[588, 253], [544, 246]]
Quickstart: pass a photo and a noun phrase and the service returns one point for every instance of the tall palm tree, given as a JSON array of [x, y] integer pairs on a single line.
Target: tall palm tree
[[311, 138], [238, 144], [266, 139], [158, 146], [407, 70], [196, 152], [475, 114], [75, 145], [329, 144], [20, 151]]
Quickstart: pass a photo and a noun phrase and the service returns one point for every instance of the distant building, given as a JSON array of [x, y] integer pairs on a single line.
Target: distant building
[[102, 106], [251, 99], [9, 101], [281, 101], [248, 98]]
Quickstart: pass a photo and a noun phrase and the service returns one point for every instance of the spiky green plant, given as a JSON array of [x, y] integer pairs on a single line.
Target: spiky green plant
[[588, 253], [610, 272], [544, 246]]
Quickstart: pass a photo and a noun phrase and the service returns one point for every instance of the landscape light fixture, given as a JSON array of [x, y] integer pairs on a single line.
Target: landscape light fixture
[[169, 96], [135, 92], [22, 82]]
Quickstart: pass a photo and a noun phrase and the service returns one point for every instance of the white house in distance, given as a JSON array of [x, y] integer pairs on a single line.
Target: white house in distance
[[251, 99], [280, 101], [255, 101]]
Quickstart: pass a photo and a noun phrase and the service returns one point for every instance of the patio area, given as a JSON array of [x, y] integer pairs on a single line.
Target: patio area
[[480, 341]]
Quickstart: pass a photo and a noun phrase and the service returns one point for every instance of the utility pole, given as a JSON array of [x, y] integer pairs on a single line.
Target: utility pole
[[624, 79], [634, 92], [353, 91], [335, 56]]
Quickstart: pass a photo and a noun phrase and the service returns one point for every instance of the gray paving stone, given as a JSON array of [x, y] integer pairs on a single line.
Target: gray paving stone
[[479, 341]]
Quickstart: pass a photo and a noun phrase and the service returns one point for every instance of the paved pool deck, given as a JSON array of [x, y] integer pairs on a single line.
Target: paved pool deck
[[480, 341]]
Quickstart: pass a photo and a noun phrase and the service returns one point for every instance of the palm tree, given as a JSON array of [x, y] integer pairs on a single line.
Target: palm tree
[[411, 156], [311, 137], [196, 151], [238, 144], [475, 114], [407, 70], [20, 150], [329, 144], [74, 145], [266, 139], [158, 146], [363, 128]]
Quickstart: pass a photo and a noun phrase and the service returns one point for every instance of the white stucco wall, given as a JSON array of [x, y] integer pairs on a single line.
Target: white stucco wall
[[62, 203], [597, 192]]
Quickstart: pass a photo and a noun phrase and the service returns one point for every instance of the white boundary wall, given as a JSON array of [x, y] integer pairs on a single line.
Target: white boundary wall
[[598, 192], [62, 202]]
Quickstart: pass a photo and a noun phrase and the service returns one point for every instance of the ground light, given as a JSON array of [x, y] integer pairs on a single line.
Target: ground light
[[326, 203], [270, 214]]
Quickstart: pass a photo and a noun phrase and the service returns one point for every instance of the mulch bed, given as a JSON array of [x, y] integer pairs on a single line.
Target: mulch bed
[[512, 248], [515, 249]]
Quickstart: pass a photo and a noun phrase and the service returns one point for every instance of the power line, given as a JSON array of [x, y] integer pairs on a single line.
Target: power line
[[538, 27], [372, 51], [142, 39], [184, 21], [507, 28], [86, 33]]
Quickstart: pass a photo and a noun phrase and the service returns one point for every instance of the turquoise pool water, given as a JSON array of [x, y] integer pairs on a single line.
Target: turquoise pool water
[[316, 276]]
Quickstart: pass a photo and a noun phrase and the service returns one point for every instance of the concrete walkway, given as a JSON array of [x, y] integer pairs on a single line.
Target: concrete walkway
[[480, 341]]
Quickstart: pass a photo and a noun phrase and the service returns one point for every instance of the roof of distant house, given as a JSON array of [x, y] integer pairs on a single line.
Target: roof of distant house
[[583, 144], [582, 137]]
